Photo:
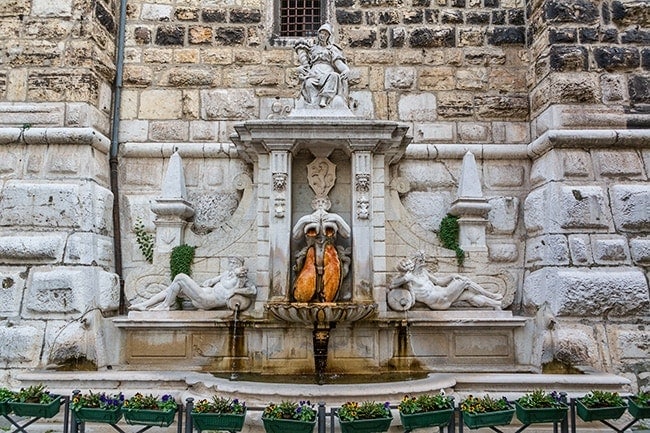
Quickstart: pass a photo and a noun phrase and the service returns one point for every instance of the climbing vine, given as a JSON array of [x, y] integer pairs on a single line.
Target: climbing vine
[[180, 260], [144, 240], [448, 235]]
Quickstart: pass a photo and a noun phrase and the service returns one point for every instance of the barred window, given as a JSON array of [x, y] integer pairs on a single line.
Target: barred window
[[300, 18]]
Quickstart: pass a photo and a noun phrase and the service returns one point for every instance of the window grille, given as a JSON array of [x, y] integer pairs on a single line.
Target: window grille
[[299, 18]]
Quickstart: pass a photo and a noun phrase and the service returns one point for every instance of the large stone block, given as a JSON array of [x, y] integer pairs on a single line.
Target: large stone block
[[593, 292], [12, 284], [70, 290], [32, 248], [84, 207], [417, 107], [560, 208], [640, 251], [21, 343], [631, 207], [580, 249], [610, 250], [549, 250], [231, 104], [503, 215], [556, 165], [89, 249]]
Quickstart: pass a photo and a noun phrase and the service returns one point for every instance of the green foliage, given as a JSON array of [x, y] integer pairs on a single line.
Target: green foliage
[[641, 398], [352, 410], [448, 235], [100, 400], [541, 399], [425, 403], [144, 239], [484, 404], [301, 411], [219, 405], [6, 395], [34, 394], [141, 401], [180, 260], [597, 398]]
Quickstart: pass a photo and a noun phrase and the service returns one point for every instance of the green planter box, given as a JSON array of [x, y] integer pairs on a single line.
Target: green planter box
[[95, 414], [529, 415], [598, 413], [488, 419], [636, 410], [438, 418], [272, 425], [365, 425], [37, 410], [160, 418], [219, 421], [5, 409]]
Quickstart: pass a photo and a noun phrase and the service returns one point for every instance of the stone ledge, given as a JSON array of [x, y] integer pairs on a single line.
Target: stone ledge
[[49, 136]]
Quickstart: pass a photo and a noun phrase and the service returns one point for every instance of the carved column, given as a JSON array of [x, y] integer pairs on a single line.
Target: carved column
[[361, 222], [280, 224]]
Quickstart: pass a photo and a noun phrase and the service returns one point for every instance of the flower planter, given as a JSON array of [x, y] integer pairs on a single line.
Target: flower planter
[[232, 422], [365, 425], [598, 413], [488, 419], [536, 415], [636, 410], [95, 414], [160, 418], [436, 418], [5, 409], [37, 410], [272, 425]]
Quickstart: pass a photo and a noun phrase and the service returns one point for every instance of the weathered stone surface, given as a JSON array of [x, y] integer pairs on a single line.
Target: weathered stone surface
[[70, 290], [199, 35], [399, 78], [610, 250], [12, 285], [84, 207], [160, 104], [45, 8], [507, 36], [30, 248], [556, 208], [503, 215], [170, 35], [432, 38], [503, 253], [348, 17], [21, 343], [156, 12], [639, 89], [230, 36], [432, 132], [455, 105], [417, 107], [572, 11], [436, 78], [191, 77], [427, 208], [245, 16], [568, 58], [618, 163], [640, 251], [474, 132], [169, 130], [631, 12], [228, 104], [580, 248], [89, 249], [594, 292], [213, 15], [502, 107], [631, 342], [630, 204], [613, 58], [549, 250]]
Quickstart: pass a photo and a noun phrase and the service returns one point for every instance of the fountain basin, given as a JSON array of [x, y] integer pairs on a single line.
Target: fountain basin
[[323, 312]]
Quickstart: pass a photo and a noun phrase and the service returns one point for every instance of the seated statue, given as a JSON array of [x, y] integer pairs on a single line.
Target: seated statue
[[323, 70], [441, 292], [212, 294]]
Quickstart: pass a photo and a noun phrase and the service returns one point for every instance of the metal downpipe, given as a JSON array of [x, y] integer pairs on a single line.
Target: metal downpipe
[[113, 161]]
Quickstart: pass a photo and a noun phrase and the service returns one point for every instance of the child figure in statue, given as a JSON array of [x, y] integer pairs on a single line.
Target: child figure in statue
[[439, 293], [213, 293], [323, 71], [321, 265]]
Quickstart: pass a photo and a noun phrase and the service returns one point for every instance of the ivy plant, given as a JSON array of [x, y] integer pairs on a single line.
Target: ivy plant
[[448, 235], [144, 240], [180, 260]]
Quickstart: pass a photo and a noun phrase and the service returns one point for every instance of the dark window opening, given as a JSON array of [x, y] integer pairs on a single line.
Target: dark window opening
[[300, 18]]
